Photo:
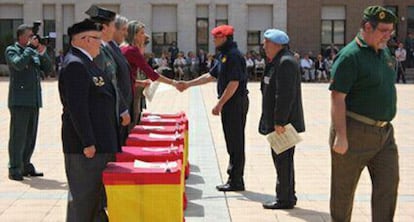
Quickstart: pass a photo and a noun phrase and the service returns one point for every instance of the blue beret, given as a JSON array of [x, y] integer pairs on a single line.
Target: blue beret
[[277, 36]]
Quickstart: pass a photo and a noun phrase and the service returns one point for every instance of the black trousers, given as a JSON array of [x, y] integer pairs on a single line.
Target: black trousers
[[86, 190], [285, 179], [233, 118], [23, 132], [401, 72]]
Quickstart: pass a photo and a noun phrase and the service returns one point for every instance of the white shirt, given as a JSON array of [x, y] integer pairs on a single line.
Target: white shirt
[[249, 62], [306, 63], [260, 63], [400, 54]]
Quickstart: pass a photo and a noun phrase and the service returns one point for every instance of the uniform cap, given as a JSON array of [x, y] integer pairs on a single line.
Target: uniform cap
[[222, 31], [100, 14], [277, 36], [379, 14], [84, 26]]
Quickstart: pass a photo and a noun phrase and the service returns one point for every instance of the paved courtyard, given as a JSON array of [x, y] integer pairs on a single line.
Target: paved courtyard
[[44, 199]]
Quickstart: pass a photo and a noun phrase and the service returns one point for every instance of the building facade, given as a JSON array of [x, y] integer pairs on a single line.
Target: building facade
[[312, 25]]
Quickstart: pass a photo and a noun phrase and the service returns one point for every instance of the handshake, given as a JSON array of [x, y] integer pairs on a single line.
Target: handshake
[[181, 85]]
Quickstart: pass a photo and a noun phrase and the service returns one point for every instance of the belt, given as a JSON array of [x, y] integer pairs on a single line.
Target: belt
[[366, 120]]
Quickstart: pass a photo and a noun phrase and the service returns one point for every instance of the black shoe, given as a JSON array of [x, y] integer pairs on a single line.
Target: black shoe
[[17, 177], [230, 187], [33, 173], [277, 205]]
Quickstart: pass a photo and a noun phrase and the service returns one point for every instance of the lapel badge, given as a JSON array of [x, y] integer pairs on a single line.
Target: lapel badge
[[98, 81], [224, 59]]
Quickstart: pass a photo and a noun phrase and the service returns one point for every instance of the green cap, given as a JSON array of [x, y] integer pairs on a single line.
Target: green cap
[[379, 14]]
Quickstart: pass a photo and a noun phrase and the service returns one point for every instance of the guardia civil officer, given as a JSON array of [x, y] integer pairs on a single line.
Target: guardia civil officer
[[111, 66], [230, 71], [89, 122], [26, 59], [363, 103], [281, 105]]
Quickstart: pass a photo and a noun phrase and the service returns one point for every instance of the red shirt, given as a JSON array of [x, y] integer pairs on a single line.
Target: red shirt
[[136, 60]]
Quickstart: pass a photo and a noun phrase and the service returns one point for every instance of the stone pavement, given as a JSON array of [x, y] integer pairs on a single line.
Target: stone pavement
[[44, 199]]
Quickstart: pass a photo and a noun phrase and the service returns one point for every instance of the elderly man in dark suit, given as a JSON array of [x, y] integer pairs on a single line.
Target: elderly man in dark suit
[[89, 122], [282, 104], [26, 59]]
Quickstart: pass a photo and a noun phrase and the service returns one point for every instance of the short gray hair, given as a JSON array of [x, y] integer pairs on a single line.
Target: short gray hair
[[120, 21], [133, 27]]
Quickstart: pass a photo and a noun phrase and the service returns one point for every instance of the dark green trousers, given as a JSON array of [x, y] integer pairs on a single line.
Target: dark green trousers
[[372, 147], [23, 132]]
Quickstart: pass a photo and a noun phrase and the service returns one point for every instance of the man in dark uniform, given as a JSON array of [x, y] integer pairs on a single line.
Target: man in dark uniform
[[26, 59], [233, 104], [281, 105], [106, 61], [363, 102], [89, 122]]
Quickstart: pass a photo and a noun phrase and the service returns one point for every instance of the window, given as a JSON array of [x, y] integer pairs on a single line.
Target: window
[[394, 9], [161, 41], [410, 19], [8, 29], [68, 15], [164, 27], [333, 26], [260, 18], [10, 18], [49, 27], [202, 29], [221, 15], [253, 41]]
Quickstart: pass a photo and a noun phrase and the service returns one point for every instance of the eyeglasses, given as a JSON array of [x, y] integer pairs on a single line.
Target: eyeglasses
[[386, 31]]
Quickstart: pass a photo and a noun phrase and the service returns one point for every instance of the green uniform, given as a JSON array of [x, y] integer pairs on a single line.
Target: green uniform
[[367, 78], [106, 62], [24, 101]]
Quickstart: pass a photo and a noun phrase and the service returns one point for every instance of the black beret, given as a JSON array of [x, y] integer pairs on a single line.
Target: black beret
[[100, 14], [84, 26], [379, 14]]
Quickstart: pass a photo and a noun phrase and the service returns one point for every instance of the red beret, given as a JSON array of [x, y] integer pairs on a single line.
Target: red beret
[[222, 31]]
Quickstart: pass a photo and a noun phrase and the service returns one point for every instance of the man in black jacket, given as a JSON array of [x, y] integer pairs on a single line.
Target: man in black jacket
[[282, 104], [89, 122]]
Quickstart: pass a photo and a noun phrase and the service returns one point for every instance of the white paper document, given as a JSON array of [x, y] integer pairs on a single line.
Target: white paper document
[[283, 142], [149, 91], [161, 149], [166, 165], [152, 127], [164, 136]]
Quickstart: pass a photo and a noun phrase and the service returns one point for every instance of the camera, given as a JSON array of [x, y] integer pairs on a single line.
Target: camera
[[42, 40]]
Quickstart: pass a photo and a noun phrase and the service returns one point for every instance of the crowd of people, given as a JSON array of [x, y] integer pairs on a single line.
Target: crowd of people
[[102, 76]]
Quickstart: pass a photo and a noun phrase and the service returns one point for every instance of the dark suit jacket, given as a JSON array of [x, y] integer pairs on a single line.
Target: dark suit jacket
[[89, 106], [122, 74], [282, 96], [25, 66]]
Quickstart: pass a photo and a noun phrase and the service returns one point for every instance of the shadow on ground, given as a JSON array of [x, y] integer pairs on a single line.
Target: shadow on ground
[[45, 184]]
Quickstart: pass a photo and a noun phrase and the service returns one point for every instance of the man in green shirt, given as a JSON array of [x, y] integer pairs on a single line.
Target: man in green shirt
[[363, 100]]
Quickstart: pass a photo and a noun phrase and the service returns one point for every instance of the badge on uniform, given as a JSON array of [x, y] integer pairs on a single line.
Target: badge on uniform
[[224, 59], [99, 81]]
